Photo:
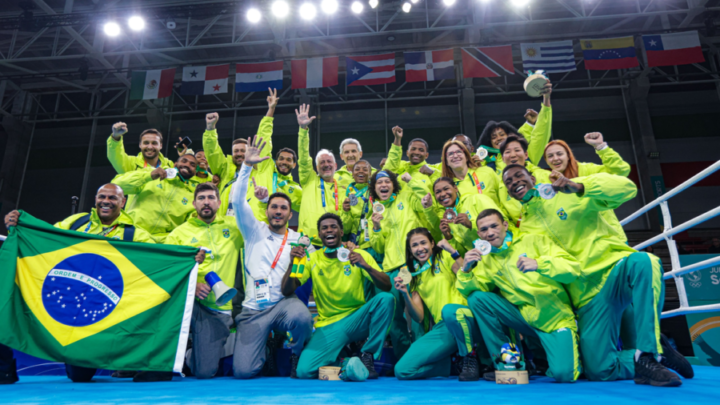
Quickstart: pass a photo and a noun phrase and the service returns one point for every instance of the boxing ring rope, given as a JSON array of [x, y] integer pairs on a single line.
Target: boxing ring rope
[[667, 235]]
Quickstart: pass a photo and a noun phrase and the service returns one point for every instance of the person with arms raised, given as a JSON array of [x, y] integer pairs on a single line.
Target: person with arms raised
[[267, 256], [417, 153]]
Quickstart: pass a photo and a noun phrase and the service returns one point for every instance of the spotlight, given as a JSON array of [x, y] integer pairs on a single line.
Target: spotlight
[[373, 3], [449, 2], [357, 7], [136, 23], [330, 6], [280, 9], [520, 3], [406, 7], [414, 1], [253, 15], [111, 29], [307, 11]]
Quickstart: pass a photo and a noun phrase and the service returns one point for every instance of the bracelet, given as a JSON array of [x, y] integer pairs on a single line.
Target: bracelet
[[455, 255], [602, 146]]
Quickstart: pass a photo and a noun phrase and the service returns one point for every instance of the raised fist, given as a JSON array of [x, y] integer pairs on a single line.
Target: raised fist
[[119, 129], [211, 120]]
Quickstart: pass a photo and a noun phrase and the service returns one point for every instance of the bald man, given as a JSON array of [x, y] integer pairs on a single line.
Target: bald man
[[109, 220]]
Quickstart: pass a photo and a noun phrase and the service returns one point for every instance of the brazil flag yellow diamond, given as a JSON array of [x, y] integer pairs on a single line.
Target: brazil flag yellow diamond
[[91, 301]]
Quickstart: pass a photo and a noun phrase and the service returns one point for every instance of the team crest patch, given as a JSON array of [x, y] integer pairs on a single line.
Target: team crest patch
[[184, 201], [226, 233], [437, 268], [562, 214], [346, 269], [469, 215], [482, 185], [401, 206], [291, 189], [159, 185]]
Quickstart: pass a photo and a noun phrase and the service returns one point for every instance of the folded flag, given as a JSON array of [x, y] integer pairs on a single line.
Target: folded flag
[[314, 73], [680, 48], [95, 302], [151, 84], [369, 70], [429, 66], [251, 77], [552, 57], [487, 61], [609, 53], [200, 80]]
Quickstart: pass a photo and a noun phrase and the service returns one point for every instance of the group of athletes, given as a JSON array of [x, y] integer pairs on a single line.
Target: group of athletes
[[483, 251]]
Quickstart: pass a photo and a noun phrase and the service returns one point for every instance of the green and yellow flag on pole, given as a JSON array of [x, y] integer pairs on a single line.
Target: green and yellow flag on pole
[[91, 301]]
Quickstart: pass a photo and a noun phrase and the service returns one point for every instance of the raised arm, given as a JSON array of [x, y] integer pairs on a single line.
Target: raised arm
[[606, 191], [133, 182], [211, 147], [246, 221], [612, 162], [120, 161], [469, 280], [305, 163], [395, 154], [265, 131]]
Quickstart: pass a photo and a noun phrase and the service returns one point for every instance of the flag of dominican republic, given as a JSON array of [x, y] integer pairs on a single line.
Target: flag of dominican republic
[[681, 48], [552, 57], [428, 66], [371, 69], [200, 80], [151, 84], [487, 61], [314, 73], [251, 77]]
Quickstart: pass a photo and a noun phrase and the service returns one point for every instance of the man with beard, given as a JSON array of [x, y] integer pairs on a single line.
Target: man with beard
[[109, 220], [210, 324], [417, 153], [344, 315], [151, 141], [162, 197], [350, 153], [613, 275], [321, 191], [275, 176], [265, 309]]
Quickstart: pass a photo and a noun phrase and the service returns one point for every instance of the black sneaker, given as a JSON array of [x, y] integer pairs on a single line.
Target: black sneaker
[[369, 362], [153, 376], [649, 371], [470, 371], [10, 376], [270, 368], [489, 376], [294, 359], [673, 360], [124, 374]]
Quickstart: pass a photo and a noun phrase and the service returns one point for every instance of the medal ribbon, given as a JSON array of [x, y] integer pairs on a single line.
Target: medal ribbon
[[275, 182], [277, 256], [156, 166], [423, 268], [505, 245], [389, 200], [105, 232], [476, 182]]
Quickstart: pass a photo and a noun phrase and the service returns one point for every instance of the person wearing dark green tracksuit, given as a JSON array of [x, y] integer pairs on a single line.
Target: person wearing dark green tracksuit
[[613, 275], [529, 270]]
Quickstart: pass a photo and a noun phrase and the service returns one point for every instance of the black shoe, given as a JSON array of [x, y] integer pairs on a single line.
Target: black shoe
[[124, 374], [294, 359], [489, 376], [10, 376], [369, 362], [270, 368], [470, 371], [153, 376], [649, 371], [673, 360]]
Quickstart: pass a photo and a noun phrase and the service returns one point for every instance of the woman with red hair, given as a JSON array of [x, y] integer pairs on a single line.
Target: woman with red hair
[[559, 157]]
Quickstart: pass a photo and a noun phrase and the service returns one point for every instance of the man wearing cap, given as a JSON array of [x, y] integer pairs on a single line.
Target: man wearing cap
[[211, 322]]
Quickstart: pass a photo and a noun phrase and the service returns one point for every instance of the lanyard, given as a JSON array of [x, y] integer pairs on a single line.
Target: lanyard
[[475, 182], [335, 193], [105, 232], [361, 194], [231, 181], [156, 166], [277, 256], [275, 182], [424, 267], [517, 224]]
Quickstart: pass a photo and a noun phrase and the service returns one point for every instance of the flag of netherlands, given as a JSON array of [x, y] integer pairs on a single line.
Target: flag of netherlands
[[370, 70], [199, 80], [251, 77], [152, 84], [428, 66], [681, 48], [552, 57], [488, 61], [314, 73]]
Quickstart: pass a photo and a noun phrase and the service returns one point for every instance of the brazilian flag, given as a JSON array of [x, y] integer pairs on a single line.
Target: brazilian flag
[[95, 302]]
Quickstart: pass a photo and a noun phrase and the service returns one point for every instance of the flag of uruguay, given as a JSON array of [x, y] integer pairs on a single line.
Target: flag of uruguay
[[549, 56], [251, 77]]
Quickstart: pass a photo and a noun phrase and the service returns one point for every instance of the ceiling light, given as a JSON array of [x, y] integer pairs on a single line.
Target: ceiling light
[[307, 11], [406, 7], [112, 29], [449, 2], [373, 3], [280, 9], [357, 7], [136, 23], [329, 6], [253, 15], [520, 3]]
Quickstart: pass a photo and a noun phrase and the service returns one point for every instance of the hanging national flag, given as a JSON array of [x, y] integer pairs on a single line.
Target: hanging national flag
[[251, 77], [681, 48], [151, 84], [95, 302], [552, 57], [429, 66], [369, 70], [610, 53], [314, 73], [487, 61], [200, 80]]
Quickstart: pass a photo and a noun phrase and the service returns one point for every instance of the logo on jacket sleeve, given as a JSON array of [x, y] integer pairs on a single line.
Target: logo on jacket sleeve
[[346, 269], [401, 206], [482, 185], [562, 214], [291, 189], [226, 233], [184, 201]]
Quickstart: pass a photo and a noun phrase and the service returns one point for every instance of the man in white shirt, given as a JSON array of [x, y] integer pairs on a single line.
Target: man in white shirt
[[267, 255]]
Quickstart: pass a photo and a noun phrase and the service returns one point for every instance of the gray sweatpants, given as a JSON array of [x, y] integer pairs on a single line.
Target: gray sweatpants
[[253, 327], [210, 329]]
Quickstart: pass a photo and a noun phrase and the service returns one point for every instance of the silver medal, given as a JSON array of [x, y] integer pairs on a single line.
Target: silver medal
[[353, 199], [481, 152], [171, 173], [546, 191], [343, 254], [483, 246]]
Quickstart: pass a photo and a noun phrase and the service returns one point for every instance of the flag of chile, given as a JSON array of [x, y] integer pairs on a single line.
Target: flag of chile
[[680, 48], [314, 73]]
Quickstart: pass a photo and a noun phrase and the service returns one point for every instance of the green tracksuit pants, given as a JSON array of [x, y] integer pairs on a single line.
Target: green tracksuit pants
[[493, 311], [429, 356], [637, 280], [371, 321]]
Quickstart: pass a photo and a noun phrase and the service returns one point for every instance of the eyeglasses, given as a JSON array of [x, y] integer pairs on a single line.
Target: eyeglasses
[[457, 152]]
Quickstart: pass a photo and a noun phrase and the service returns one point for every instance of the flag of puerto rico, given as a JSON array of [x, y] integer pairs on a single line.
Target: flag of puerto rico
[[370, 70], [428, 66]]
